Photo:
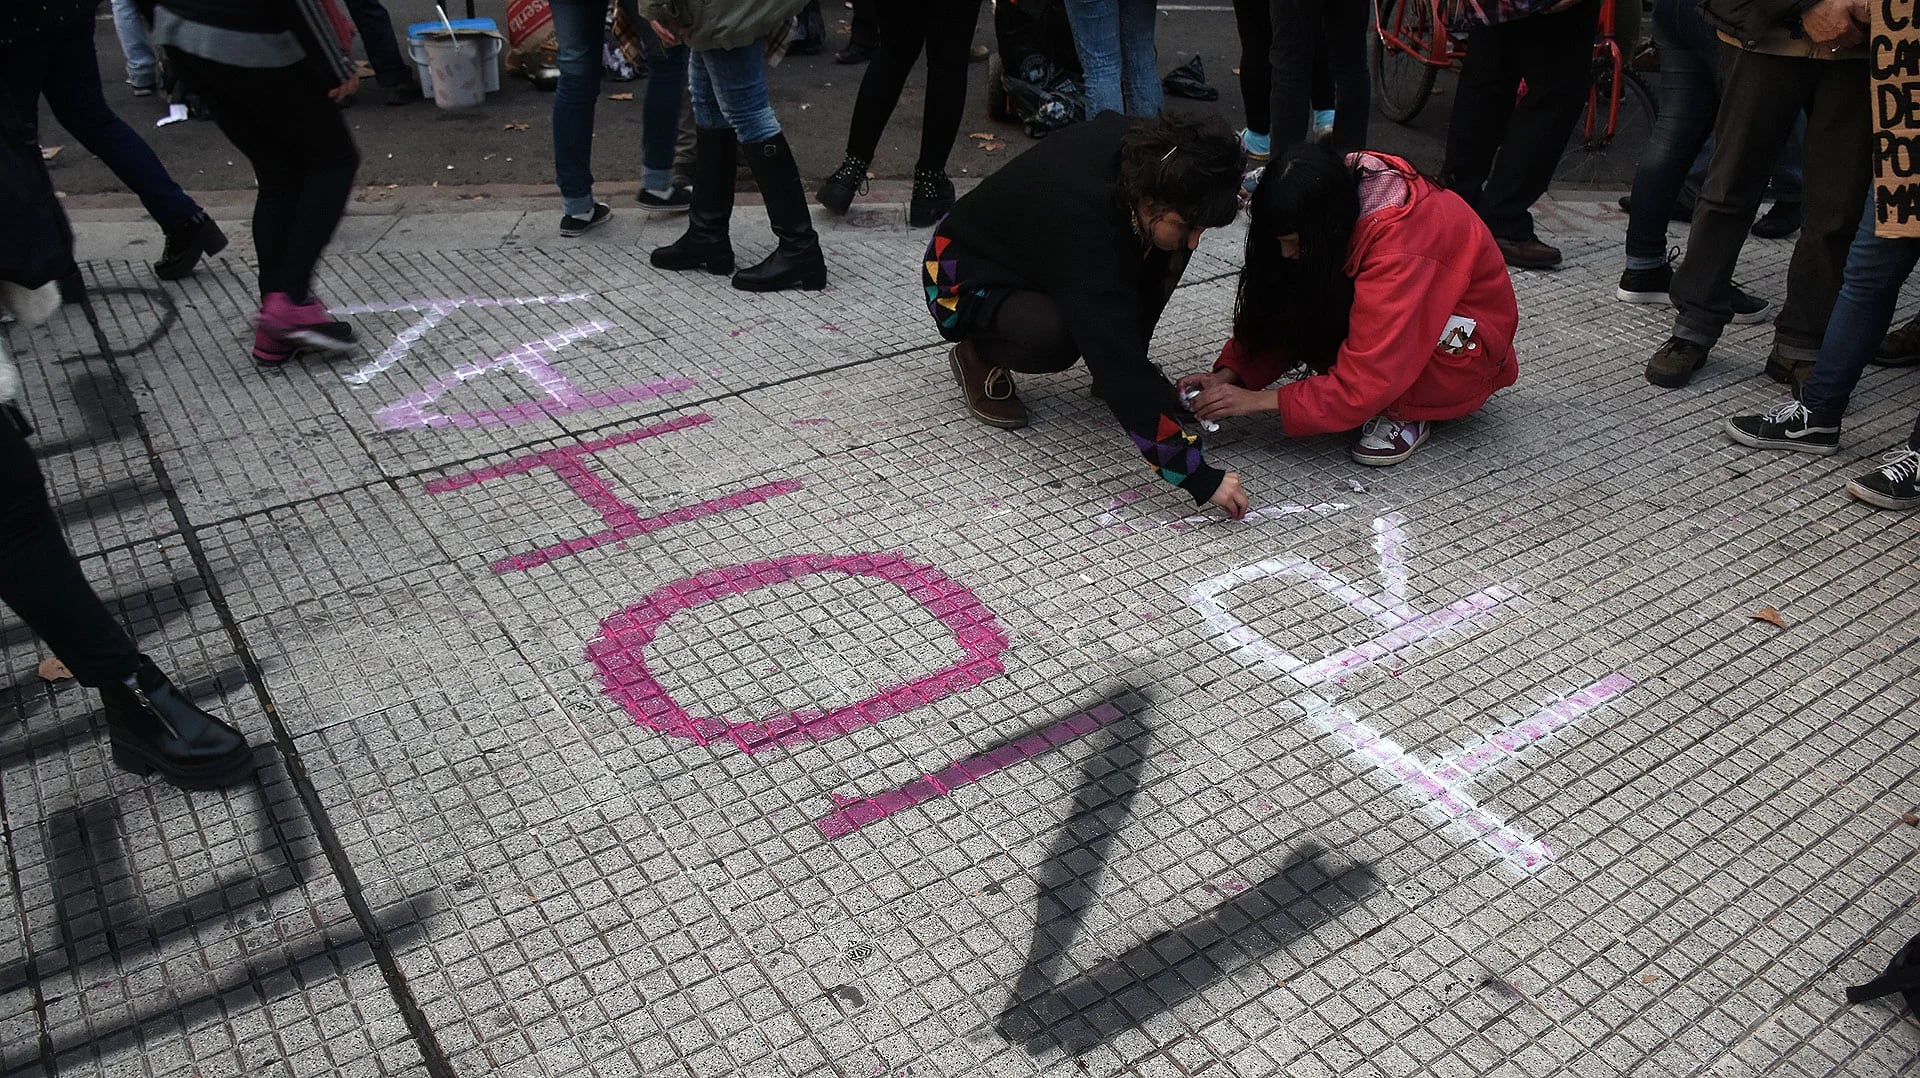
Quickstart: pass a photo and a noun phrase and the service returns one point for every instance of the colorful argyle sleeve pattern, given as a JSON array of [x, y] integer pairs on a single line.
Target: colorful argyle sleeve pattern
[[1174, 453], [941, 279]]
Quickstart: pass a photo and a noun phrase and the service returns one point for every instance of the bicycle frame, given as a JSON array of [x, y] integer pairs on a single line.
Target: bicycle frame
[[1608, 56], [1440, 51]]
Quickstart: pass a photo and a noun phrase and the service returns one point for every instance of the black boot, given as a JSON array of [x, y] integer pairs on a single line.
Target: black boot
[[705, 246], [837, 191], [797, 261], [185, 244], [932, 197], [154, 728]]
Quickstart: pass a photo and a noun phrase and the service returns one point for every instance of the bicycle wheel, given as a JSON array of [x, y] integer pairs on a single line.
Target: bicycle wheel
[[1601, 158], [1402, 80]]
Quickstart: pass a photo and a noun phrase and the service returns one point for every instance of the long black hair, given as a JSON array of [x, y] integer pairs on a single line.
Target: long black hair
[[1302, 303]]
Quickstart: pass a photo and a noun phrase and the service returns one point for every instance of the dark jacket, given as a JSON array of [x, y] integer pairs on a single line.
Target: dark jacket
[[707, 25], [311, 22], [1053, 221], [1751, 20]]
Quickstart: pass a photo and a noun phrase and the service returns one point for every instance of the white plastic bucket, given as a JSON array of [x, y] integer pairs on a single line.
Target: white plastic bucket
[[458, 66]]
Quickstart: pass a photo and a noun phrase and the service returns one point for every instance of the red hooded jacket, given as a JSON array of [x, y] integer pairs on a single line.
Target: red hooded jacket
[[1414, 266]]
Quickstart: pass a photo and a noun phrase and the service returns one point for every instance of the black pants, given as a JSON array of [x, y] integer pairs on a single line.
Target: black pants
[[1760, 97], [1026, 335], [1290, 50], [302, 155], [1024, 331], [1501, 156], [39, 579], [944, 28], [864, 31], [390, 68]]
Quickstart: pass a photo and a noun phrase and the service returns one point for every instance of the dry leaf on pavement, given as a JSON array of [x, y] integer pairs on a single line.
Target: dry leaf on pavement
[[619, 97], [982, 134], [48, 153], [513, 127], [1770, 615], [53, 670], [991, 146]]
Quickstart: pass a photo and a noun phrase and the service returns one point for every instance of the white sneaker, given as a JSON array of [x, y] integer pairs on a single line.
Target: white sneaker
[[1385, 441]]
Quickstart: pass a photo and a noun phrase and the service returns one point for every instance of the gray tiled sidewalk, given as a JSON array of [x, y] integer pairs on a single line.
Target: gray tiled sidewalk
[[1571, 812]]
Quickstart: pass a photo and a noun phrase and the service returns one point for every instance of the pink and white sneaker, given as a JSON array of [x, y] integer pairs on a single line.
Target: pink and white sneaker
[[284, 328], [1385, 441]]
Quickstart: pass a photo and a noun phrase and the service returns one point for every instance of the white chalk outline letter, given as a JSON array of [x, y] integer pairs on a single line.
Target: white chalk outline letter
[[1439, 786]]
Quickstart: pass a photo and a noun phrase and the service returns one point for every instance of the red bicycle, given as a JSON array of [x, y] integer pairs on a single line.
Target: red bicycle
[[1414, 40]]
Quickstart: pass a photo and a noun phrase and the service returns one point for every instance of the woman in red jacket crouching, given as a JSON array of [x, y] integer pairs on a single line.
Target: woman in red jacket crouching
[[1389, 290]]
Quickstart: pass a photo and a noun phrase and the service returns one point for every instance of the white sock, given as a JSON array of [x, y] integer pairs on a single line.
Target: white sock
[[661, 192]]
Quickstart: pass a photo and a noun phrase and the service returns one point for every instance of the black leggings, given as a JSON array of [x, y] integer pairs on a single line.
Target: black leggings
[[1026, 335], [301, 152], [39, 578], [1301, 55], [945, 29]]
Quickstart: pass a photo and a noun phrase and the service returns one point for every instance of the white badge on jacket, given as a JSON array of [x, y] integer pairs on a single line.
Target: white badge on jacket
[[1457, 335]]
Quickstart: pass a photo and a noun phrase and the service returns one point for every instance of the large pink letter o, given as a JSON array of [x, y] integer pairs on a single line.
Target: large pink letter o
[[618, 653]]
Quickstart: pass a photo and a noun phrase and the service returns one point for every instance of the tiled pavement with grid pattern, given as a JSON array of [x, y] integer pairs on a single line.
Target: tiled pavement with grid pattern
[[749, 709]]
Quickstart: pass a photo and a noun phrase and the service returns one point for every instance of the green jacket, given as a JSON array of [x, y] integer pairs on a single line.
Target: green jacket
[[720, 24]]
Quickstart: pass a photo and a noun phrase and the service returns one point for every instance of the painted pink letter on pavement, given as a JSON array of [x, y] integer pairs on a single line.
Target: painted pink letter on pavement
[[857, 812], [618, 653], [623, 520], [1442, 785]]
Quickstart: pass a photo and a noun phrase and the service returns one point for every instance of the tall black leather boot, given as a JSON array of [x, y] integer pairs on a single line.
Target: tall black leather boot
[[797, 261], [154, 728], [705, 246]]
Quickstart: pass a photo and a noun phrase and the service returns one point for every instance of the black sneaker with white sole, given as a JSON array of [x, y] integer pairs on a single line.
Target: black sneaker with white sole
[[1895, 485], [1645, 285], [574, 226], [676, 200], [1653, 285], [1791, 425]]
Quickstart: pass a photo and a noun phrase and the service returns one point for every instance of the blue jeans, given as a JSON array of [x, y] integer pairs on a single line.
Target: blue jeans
[[1115, 41], [729, 88], [142, 69], [1689, 100], [370, 18], [1675, 161], [579, 28], [65, 70], [1869, 291]]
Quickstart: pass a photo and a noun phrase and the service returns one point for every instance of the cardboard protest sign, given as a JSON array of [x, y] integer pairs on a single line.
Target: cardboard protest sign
[[1896, 118]]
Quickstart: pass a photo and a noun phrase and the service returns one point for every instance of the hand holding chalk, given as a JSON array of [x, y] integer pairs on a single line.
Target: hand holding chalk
[[1186, 397]]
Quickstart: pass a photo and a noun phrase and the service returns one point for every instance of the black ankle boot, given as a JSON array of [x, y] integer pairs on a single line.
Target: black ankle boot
[[932, 196], [154, 728], [705, 245], [797, 261], [837, 191], [186, 244]]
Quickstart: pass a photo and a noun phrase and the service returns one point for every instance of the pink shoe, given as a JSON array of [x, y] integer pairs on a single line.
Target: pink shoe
[[268, 349], [295, 327]]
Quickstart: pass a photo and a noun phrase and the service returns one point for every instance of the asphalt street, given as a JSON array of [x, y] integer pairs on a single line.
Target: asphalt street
[[420, 145]]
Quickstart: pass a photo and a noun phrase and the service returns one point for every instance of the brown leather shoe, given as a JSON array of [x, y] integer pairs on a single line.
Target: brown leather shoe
[[1529, 253], [988, 390]]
